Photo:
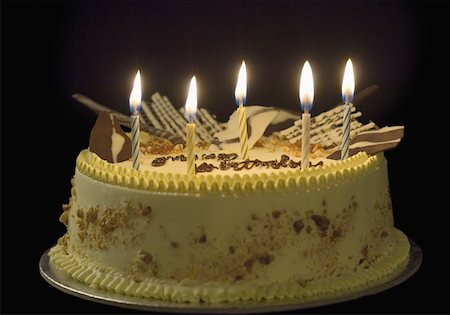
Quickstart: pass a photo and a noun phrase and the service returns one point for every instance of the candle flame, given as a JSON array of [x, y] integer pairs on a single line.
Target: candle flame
[[306, 88], [240, 93], [191, 101], [348, 83], [136, 95]]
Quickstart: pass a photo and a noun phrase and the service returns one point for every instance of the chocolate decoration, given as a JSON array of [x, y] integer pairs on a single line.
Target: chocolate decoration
[[370, 149], [276, 214], [249, 263], [284, 160], [336, 234], [163, 134], [227, 162], [203, 238], [259, 119], [208, 156], [223, 166], [265, 259], [227, 157], [298, 226], [125, 120], [322, 222], [101, 138], [380, 135], [205, 167], [160, 161], [280, 126], [326, 130]]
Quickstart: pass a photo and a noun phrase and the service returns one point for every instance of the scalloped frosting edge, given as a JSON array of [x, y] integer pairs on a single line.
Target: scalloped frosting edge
[[107, 278], [312, 179]]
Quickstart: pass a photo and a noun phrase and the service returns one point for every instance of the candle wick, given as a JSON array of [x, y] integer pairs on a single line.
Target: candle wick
[[347, 100]]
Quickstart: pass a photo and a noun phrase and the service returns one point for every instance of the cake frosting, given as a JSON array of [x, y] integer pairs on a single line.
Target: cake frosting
[[238, 230]]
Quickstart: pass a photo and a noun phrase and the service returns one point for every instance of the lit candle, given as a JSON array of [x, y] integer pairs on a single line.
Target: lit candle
[[240, 95], [306, 93], [135, 109], [348, 88], [191, 110]]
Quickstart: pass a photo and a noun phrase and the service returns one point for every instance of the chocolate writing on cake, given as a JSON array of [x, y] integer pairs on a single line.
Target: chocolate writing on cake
[[227, 162]]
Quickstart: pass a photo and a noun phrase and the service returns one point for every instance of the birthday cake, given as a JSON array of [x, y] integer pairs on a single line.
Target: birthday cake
[[256, 229]]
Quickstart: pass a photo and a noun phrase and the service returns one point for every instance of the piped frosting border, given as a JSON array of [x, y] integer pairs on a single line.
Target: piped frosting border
[[311, 179], [106, 278]]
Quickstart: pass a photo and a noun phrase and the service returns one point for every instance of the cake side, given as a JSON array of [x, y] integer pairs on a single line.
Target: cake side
[[252, 232], [106, 278]]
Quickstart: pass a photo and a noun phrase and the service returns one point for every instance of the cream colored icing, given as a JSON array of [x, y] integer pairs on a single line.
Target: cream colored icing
[[262, 154], [105, 277], [215, 237]]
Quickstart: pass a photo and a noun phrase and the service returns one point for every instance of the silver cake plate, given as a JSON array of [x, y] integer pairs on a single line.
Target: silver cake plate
[[65, 283]]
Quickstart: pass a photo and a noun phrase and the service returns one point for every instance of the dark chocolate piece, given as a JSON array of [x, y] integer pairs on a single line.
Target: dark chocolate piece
[[370, 149], [265, 259], [202, 238], [298, 226], [227, 157], [101, 138], [380, 135], [205, 167], [208, 156], [160, 161], [276, 214], [322, 222], [125, 120]]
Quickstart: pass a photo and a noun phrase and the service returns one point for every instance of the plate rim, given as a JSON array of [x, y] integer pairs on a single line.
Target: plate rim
[[63, 282]]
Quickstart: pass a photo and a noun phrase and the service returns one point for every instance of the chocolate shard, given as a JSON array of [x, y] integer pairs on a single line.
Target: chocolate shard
[[108, 140], [163, 134], [380, 135], [125, 120], [261, 120], [368, 147]]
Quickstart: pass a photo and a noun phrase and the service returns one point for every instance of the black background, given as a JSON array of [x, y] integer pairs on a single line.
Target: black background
[[51, 50]]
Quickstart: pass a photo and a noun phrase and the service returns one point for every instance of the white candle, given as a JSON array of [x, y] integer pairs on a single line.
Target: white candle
[[191, 109], [306, 93], [240, 95], [348, 88], [135, 109]]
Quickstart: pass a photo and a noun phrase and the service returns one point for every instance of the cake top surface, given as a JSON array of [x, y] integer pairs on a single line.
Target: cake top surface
[[268, 155], [274, 137], [313, 178]]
